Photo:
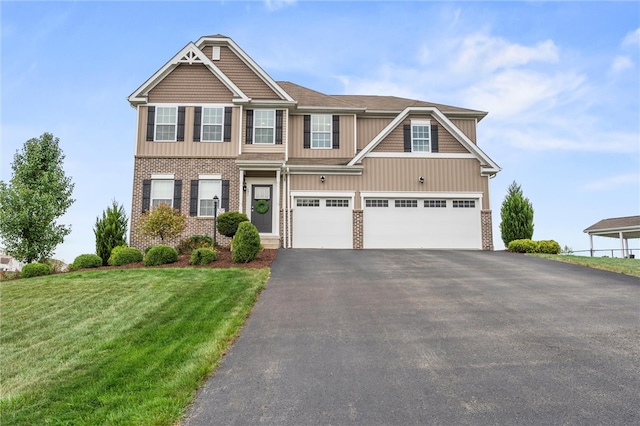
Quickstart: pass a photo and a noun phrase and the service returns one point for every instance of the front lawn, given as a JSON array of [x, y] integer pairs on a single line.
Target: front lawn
[[614, 264], [123, 346]]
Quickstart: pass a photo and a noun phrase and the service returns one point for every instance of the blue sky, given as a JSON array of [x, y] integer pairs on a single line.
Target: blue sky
[[560, 81]]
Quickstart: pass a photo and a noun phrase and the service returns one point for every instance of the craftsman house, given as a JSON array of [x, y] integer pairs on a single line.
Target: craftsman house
[[310, 170]]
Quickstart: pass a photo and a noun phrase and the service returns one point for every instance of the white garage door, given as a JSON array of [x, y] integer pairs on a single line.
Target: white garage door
[[322, 223], [422, 223]]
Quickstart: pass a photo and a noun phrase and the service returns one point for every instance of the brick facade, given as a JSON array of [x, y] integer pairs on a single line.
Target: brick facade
[[358, 229], [487, 230], [185, 169]]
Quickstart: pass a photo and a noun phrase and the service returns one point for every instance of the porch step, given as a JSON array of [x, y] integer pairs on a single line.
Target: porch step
[[270, 241]]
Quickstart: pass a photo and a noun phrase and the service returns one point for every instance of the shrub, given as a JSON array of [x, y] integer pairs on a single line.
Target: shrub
[[87, 261], [517, 216], [35, 270], [110, 231], [203, 256], [228, 222], [246, 243], [123, 255], [160, 255], [57, 265], [162, 221], [548, 247], [523, 246], [194, 242]]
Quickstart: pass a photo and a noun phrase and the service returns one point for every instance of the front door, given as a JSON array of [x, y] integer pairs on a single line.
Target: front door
[[261, 204]]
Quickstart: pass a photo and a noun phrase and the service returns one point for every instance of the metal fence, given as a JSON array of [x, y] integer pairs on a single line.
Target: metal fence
[[627, 253]]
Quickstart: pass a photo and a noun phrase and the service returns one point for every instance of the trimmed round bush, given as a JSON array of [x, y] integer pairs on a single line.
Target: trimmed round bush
[[523, 246], [548, 247], [160, 255], [35, 270], [87, 261], [188, 245], [123, 255], [246, 243], [228, 223], [203, 256]]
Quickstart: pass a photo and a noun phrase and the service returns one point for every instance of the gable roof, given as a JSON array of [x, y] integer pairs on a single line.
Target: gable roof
[[488, 166], [611, 227]]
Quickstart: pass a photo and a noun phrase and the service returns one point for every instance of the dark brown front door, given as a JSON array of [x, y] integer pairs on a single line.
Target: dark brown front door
[[261, 205]]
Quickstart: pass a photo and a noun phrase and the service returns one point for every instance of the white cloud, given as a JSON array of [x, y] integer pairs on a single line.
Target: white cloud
[[278, 4], [621, 63], [632, 38], [613, 182]]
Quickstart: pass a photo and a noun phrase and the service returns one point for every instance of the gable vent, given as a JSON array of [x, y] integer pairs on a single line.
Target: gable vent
[[215, 53]]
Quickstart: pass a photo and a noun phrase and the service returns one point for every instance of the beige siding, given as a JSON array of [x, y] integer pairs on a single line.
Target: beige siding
[[401, 174], [296, 140], [468, 127], [369, 128], [190, 83], [188, 148], [394, 142], [241, 75]]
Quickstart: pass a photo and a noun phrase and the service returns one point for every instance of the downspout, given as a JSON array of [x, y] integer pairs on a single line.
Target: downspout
[[284, 209]]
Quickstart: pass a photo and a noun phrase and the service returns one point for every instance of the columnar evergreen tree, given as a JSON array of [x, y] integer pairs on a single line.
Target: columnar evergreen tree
[[37, 195], [110, 231], [517, 216]]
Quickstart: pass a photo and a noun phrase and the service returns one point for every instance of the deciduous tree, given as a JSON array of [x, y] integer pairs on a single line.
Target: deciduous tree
[[38, 193], [162, 221]]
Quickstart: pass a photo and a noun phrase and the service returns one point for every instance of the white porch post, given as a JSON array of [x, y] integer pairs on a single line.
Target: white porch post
[[241, 190], [591, 244], [621, 242]]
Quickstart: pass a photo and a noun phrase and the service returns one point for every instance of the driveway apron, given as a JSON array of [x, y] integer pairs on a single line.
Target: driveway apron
[[402, 337]]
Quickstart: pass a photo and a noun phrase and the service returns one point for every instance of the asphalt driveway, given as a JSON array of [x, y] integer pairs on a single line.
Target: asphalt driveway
[[396, 337]]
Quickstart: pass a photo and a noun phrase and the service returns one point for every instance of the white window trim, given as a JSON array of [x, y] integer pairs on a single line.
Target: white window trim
[[209, 178], [426, 123], [330, 131], [153, 181], [156, 124], [255, 127], [202, 124]]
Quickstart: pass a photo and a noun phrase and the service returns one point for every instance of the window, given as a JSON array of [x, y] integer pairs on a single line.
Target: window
[[435, 203], [264, 123], [420, 137], [464, 204], [337, 203], [212, 121], [166, 123], [306, 202], [376, 203], [207, 189], [406, 203], [161, 192], [321, 131]]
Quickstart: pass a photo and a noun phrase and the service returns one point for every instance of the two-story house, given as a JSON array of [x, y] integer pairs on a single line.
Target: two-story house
[[310, 170]]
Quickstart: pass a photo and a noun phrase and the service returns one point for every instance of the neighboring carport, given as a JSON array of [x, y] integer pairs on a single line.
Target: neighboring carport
[[622, 228]]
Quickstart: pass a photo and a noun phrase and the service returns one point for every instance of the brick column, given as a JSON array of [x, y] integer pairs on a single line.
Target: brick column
[[357, 229], [487, 230]]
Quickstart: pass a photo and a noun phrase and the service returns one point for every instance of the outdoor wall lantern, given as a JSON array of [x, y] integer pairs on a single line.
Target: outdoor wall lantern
[[322, 179], [421, 179]]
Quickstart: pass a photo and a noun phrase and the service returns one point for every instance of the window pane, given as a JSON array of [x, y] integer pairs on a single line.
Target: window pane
[[420, 138], [165, 132], [263, 136], [212, 133], [206, 207], [207, 189], [212, 115], [264, 118], [166, 115], [161, 192], [321, 140]]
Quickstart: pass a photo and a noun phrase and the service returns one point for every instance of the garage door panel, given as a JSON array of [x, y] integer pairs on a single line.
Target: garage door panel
[[329, 224]]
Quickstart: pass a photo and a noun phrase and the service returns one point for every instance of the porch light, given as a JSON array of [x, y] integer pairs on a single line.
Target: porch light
[[421, 179], [322, 179]]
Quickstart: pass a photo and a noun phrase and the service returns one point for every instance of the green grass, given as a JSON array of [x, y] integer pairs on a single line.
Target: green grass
[[614, 264], [123, 347]]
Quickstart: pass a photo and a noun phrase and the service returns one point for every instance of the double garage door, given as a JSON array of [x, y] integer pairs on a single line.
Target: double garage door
[[438, 223]]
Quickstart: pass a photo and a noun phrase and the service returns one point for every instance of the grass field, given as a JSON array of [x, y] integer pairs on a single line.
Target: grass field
[[614, 264], [116, 346]]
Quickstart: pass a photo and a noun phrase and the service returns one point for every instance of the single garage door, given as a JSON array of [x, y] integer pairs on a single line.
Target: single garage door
[[322, 223], [422, 223]]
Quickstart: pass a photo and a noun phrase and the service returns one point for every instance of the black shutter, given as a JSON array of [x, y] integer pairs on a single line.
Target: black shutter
[[434, 138], [224, 202], [180, 135], [177, 194], [407, 138], [336, 132], [151, 119], [307, 132], [197, 122], [279, 127], [146, 195], [249, 136], [227, 124], [193, 201]]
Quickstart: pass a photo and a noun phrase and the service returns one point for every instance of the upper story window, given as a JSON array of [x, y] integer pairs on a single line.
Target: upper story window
[[166, 123], [212, 122], [264, 125], [161, 192], [321, 131], [420, 136]]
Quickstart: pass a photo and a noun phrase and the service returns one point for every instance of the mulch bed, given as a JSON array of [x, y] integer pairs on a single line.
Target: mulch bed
[[264, 259]]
